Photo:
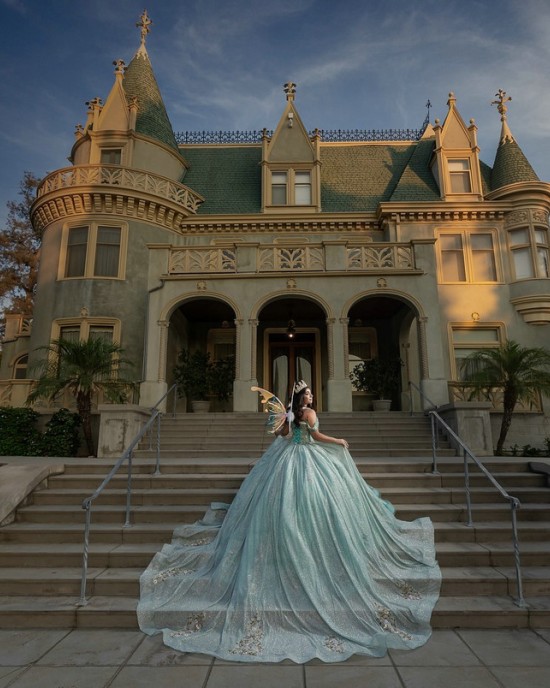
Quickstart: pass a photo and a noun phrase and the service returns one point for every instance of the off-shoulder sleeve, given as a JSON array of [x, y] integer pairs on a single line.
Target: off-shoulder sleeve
[[315, 427]]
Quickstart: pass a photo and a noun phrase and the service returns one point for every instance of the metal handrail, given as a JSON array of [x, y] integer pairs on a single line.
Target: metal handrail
[[514, 502], [156, 414], [422, 396]]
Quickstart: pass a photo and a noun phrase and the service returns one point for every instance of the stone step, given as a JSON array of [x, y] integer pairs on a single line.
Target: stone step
[[119, 612], [205, 495], [60, 581], [138, 555], [208, 465], [160, 532], [252, 455], [229, 481], [188, 513]]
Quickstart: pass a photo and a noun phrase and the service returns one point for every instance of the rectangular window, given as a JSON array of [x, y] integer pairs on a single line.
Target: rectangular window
[[543, 263], [278, 188], [468, 256], [107, 252], [483, 258], [94, 251], [459, 173], [302, 188], [520, 245], [111, 156], [77, 245], [452, 258], [466, 340]]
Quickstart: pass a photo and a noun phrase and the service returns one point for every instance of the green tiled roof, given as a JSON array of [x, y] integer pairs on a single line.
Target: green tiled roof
[[358, 178], [152, 119], [228, 177], [511, 166], [354, 178], [417, 182]]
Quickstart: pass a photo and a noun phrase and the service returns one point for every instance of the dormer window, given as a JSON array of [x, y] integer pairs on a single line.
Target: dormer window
[[291, 187], [278, 188], [459, 173]]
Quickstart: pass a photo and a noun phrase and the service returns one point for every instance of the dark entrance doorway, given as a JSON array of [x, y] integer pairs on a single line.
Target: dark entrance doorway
[[290, 360]]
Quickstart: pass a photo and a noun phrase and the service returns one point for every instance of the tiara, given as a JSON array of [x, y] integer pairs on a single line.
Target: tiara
[[299, 386]]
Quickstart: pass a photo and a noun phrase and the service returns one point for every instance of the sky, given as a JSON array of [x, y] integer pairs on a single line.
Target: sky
[[221, 64]]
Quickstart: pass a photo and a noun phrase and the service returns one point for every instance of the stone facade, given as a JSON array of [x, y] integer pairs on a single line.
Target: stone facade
[[381, 245]]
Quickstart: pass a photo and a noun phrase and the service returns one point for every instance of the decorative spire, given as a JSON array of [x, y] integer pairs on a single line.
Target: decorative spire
[[290, 90], [505, 135], [144, 24]]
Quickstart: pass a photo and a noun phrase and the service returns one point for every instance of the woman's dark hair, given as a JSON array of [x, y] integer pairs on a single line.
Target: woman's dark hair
[[297, 404]]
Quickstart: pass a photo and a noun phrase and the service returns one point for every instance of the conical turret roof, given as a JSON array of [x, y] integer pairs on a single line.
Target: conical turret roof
[[139, 82], [511, 165]]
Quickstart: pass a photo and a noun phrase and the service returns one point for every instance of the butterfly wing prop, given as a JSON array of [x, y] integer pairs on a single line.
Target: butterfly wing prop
[[274, 407]]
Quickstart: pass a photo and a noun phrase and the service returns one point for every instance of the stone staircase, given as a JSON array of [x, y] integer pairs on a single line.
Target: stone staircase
[[206, 457]]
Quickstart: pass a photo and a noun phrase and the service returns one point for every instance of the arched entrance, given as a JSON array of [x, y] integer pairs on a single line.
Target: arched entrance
[[201, 324], [291, 341], [384, 327]]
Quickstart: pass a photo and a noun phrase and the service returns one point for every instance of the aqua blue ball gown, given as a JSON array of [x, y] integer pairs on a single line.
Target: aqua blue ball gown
[[307, 562]]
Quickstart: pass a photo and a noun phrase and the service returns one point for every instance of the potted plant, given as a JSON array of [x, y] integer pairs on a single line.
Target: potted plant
[[379, 376], [193, 374], [200, 378]]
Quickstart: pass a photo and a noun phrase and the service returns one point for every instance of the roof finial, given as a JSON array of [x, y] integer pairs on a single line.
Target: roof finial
[[500, 103], [144, 23], [290, 90], [505, 135]]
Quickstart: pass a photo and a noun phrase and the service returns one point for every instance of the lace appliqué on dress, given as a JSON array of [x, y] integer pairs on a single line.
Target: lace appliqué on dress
[[168, 573], [334, 644], [407, 591], [387, 621], [193, 625], [252, 643]]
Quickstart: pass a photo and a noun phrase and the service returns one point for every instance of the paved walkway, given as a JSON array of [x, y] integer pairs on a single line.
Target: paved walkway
[[128, 659]]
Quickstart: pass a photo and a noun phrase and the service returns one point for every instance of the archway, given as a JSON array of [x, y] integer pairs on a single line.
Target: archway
[[291, 345], [384, 327], [201, 324]]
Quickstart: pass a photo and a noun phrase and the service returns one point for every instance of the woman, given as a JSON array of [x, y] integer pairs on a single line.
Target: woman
[[308, 562]]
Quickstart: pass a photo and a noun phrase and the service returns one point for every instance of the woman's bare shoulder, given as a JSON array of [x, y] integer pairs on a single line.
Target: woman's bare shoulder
[[309, 416]]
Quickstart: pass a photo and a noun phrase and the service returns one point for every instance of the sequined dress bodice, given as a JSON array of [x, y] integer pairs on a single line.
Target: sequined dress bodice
[[302, 433]]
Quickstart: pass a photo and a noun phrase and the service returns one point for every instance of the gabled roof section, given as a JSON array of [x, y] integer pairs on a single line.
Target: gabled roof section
[[290, 142], [454, 132], [417, 182], [139, 82], [115, 113], [357, 178], [511, 165]]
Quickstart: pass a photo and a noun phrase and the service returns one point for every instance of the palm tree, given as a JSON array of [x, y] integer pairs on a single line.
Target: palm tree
[[84, 368], [519, 372]]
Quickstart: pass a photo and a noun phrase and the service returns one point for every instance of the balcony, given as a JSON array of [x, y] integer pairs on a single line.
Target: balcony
[[111, 189], [379, 258]]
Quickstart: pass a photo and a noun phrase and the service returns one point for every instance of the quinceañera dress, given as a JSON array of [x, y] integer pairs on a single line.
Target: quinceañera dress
[[307, 562]]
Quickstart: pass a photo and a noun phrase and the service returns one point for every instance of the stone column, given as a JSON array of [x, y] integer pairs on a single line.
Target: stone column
[[154, 386], [245, 366], [339, 388]]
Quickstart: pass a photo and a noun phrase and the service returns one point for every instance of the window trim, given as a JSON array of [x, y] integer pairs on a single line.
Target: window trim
[[499, 327], [291, 183], [91, 251], [455, 174], [111, 149], [532, 244], [467, 254], [84, 323]]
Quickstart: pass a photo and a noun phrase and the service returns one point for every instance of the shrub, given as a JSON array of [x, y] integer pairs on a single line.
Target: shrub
[[62, 435], [18, 433]]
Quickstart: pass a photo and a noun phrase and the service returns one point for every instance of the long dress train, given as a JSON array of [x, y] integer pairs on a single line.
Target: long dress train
[[307, 562]]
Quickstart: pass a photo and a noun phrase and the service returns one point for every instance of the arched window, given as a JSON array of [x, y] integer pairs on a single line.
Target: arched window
[[20, 367]]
